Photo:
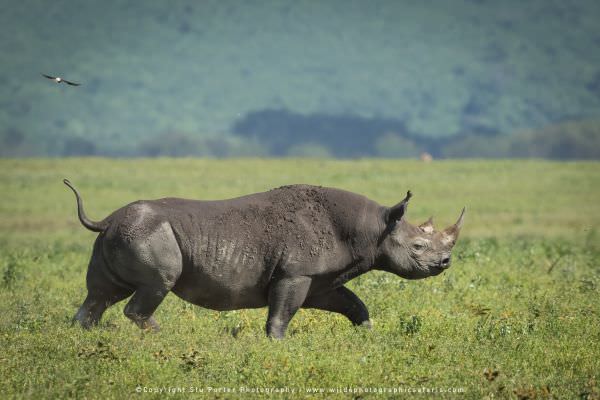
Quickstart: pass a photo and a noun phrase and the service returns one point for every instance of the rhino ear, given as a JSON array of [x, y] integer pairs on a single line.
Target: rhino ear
[[427, 226], [396, 212]]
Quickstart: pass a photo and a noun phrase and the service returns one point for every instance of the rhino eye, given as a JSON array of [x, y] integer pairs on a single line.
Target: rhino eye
[[418, 246]]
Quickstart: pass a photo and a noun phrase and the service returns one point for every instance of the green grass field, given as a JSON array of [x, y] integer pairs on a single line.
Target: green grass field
[[517, 315]]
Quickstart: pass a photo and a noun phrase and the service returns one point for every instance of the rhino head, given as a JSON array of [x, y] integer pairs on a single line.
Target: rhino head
[[415, 252]]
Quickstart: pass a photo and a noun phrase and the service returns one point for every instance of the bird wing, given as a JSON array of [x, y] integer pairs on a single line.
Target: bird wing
[[71, 83], [48, 76]]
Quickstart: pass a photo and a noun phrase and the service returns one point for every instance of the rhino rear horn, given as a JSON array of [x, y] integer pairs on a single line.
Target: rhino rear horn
[[427, 226]]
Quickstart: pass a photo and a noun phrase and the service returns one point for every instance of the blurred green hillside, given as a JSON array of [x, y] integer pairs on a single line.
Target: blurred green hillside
[[230, 78]]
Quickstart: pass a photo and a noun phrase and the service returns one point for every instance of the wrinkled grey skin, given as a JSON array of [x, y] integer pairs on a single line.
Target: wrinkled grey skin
[[291, 247]]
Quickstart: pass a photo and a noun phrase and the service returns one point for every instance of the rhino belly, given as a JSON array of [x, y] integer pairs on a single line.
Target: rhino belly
[[220, 292], [225, 267]]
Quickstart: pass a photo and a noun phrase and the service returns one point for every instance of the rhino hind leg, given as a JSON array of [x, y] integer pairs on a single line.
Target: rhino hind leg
[[286, 296], [342, 301], [147, 256], [152, 285], [143, 304], [94, 305], [102, 291]]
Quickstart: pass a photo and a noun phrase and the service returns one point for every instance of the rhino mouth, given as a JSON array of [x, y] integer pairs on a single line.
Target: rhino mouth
[[436, 270]]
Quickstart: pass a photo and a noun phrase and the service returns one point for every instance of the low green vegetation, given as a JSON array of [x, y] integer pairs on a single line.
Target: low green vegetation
[[517, 315]]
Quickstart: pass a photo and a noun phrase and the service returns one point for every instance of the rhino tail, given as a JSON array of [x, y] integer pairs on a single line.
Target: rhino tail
[[85, 221]]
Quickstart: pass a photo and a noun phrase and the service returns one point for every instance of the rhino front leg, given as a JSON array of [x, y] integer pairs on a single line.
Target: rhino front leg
[[343, 301], [286, 296]]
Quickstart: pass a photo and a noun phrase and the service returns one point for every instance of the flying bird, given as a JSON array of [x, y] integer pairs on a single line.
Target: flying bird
[[58, 79]]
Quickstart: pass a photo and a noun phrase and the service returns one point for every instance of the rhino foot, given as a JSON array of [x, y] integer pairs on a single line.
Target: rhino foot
[[366, 324]]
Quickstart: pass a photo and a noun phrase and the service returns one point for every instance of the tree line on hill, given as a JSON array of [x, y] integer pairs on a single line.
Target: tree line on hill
[[280, 133]]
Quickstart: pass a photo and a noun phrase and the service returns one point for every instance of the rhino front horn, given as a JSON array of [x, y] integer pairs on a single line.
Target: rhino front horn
[[460, 220], [453, 231]]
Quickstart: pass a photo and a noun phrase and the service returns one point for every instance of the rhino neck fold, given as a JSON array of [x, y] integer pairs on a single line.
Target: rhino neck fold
[[365, 238]]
